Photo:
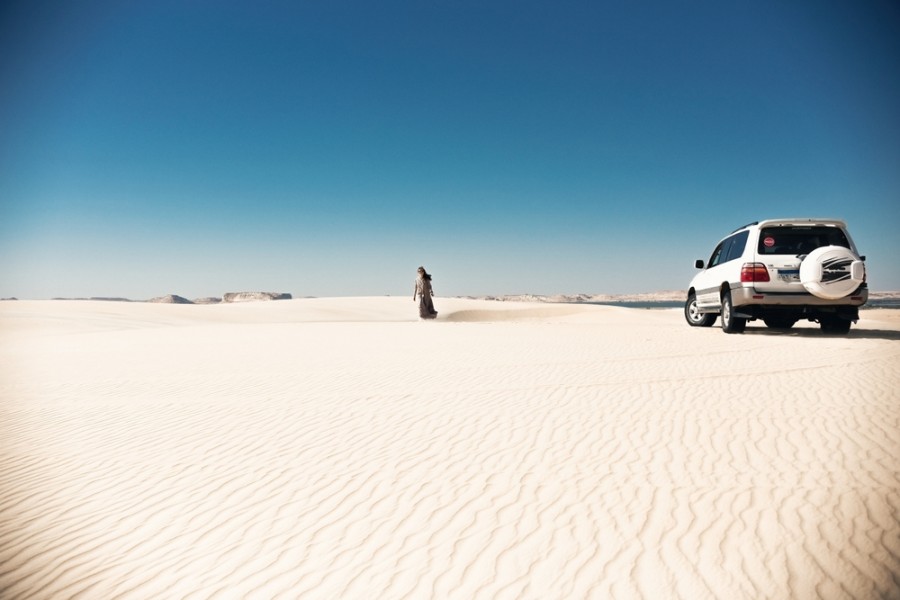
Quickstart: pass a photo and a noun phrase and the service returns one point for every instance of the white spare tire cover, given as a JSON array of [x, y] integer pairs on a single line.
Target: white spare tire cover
[[831, 272]]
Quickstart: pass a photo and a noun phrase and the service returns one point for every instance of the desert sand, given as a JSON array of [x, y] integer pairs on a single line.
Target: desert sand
[[340, 448]]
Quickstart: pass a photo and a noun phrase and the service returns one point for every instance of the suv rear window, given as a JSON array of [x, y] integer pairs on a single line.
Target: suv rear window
[[798, 239]]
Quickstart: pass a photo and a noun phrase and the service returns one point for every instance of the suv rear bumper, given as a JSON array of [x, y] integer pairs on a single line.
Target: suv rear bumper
[[744, 295], [752, 304]]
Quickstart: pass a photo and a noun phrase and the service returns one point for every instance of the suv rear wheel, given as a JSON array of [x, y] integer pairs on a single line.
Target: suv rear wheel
[[731, 323], [692, 313]]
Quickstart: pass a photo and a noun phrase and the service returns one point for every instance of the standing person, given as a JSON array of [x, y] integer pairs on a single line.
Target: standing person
[[424, 292]]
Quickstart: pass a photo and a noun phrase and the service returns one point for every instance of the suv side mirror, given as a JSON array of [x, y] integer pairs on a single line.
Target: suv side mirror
[[863, 258], [698, 264]]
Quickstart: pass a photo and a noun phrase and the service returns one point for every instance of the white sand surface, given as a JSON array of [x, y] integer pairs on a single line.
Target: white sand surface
[[340, 448]]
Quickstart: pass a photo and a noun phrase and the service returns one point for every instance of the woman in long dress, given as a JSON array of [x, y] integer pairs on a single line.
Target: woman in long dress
[[424, 292]]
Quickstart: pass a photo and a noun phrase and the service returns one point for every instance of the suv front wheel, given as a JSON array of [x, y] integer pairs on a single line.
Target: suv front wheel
[[779, 322], [692, 313], [731, 323], [834, 325]]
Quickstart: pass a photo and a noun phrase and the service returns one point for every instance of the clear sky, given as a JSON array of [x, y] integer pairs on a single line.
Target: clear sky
[[329, 148]]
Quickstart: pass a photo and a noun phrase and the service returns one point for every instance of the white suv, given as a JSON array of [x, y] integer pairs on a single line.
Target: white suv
[[780, 271]]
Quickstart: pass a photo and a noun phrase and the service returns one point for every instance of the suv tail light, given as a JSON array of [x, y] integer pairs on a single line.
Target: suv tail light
[[751, 272]]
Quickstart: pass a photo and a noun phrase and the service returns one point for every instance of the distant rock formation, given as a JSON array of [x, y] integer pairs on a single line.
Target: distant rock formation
[[253, 296], [7, 299], [208, 300], [170, 299]]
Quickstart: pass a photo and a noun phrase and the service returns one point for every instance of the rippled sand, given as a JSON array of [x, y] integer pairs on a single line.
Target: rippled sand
[[339, 448]]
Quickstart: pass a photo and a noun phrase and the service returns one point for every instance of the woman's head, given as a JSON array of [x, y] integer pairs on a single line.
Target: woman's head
[[422, 273]]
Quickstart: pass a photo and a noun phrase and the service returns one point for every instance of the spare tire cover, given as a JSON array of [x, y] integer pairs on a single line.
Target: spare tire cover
[[831, 272]]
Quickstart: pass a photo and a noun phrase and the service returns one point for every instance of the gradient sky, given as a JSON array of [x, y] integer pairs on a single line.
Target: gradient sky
[[330, 148]]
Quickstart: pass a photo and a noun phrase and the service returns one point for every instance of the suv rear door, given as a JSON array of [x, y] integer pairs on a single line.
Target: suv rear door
[[721, 269], [781, 248]]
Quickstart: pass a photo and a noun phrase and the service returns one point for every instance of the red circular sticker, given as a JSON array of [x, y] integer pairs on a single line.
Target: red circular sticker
[[769, 242]]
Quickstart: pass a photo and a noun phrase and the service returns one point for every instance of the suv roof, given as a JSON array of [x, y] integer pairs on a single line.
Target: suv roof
[[780, 222]]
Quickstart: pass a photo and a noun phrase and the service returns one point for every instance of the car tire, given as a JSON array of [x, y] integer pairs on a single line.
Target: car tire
[[731, 323], [834, 325], [779, 322], [693, 315]]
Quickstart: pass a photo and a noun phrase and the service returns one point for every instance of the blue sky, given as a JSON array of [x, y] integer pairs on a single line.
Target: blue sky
[[330, 148]]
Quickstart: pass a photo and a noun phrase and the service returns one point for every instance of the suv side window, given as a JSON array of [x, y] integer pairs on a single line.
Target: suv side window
[[729, 249], [737, 246], [720, 251]]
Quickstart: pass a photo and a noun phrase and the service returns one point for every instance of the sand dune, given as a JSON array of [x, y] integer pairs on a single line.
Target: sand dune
[[340, 448]]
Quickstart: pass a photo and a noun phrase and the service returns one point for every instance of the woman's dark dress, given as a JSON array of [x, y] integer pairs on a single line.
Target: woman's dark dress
[[426, 305]]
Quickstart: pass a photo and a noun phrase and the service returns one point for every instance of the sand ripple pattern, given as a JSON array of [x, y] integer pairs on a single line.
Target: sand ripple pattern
[[594, 453]]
